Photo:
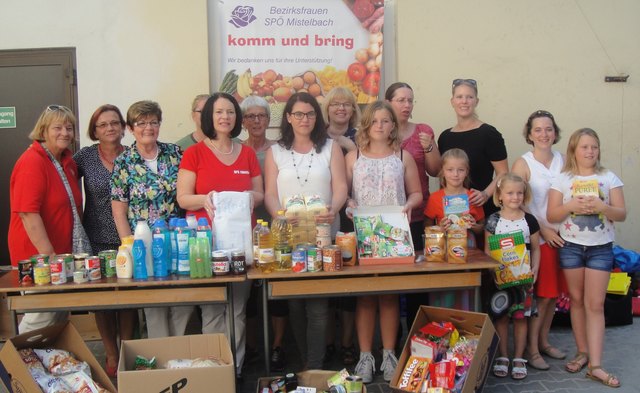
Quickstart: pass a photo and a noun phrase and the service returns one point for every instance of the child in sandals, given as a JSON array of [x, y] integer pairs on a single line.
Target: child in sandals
[[511, 194]]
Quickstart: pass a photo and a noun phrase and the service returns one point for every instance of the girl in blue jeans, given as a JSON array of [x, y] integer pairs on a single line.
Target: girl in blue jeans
[[586, 199]]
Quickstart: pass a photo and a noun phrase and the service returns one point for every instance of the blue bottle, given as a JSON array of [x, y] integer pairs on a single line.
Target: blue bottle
[[139, 260], [182, 239], [204, 230], [174, 245], [161, 246]]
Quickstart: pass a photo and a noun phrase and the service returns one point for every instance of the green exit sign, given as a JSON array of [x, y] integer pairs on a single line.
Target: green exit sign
[[7, 117]]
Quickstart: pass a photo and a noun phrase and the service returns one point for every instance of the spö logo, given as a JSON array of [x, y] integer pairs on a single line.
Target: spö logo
[[241, 16]]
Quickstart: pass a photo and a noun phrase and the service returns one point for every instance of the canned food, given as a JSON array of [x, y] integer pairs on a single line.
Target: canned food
[[69, 264], [283, 257], [78, 260], [80, 276], [39, 258], [337, 389], [42, 274], [331, 258], [323, 241], [238, 262], [220, 263], [25, 272], [109, 257], [323, 230], [299, 260], [314, 259], [353, 384], [92, 264], [58, 271]]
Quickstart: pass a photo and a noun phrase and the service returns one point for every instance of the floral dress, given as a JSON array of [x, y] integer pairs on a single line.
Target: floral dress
[[150, 195], [379, 181]]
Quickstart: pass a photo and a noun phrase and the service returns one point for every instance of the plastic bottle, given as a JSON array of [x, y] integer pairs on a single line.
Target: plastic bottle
[[161, 248], [204, 230], [139, 260], [266, 258], [182, 240], [204, 249], [174, 245], [124, 262], [281, 238], [255, 234], [194, 258], [192, 223], [143, 232]]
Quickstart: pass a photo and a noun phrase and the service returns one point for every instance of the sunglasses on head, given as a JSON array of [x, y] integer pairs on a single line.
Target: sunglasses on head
[[541, 113], [63, 108], [458, 82]]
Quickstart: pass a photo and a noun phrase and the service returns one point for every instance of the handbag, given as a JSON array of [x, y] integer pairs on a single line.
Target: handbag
[[80, 242]]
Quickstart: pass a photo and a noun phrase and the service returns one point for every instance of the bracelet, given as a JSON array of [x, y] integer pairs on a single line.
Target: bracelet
[[429, 149]]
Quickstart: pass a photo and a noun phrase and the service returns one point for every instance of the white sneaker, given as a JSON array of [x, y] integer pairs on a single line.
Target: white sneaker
[[366, 367], [388, 366]]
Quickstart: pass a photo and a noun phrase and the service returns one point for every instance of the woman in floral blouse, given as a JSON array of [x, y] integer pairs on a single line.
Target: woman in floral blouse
[[143, 185]]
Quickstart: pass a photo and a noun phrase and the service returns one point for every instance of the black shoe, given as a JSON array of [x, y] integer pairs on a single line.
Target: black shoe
[[278, 360]]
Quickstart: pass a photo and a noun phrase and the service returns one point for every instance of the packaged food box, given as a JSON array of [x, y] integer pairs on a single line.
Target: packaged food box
[[383, 236]]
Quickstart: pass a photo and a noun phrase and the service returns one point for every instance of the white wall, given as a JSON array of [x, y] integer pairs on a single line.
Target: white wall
[[526, 55]]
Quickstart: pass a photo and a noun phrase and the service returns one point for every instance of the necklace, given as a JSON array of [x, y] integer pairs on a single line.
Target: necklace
[[104, 158], [218, 150], [296, 166]]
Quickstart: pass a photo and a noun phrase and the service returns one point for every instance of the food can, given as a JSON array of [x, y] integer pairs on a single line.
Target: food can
[[353, 384], [78, 260], [283, 257], [337, 389], [39, 258], [299, 259], [42, 274], [331, 258], [220, 263], [323, 241], [314, 259], [92, 264], [238, 262], [69, 264], [323, 230], [80, 276], [109, 257], [25, 272], [58, 271]]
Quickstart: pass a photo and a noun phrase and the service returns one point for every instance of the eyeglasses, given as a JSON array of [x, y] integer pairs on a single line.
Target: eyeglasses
[[300, 115], [341, 105], [52, 108], [144, 124], [458, 82], [541, 113], [403, 101], [113, 124], [259, 117]]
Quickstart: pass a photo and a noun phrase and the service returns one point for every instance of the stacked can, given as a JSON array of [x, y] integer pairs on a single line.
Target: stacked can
[[323, 235]]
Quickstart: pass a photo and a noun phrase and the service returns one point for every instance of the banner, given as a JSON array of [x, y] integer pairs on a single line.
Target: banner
[[278, 47]]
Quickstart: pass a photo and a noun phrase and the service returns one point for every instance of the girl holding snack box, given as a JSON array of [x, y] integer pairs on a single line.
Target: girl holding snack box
[[511, 194], [380, 173], [586, 199]]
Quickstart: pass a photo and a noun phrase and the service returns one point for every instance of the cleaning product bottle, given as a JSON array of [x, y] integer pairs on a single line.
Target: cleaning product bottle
[[139, 260], [174, 245], [204, 230], [281, 238], [124, 262], [182, 240], [161, 248], [143, 232]]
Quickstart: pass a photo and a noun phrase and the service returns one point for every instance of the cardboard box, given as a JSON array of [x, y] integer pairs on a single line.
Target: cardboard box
[[391, 215], [310, 378], [16, 376], [466, 322], [186, 380]]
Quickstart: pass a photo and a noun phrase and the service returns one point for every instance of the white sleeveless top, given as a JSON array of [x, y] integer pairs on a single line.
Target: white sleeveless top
[[379, 181], [311, 174], [540, 180]]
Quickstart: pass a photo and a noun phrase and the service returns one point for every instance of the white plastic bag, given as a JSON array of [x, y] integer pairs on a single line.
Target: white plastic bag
[[232, 222]]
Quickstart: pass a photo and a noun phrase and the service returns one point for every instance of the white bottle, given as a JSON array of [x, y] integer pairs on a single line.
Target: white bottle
[[124, 263], [192, 224], [143, 232]]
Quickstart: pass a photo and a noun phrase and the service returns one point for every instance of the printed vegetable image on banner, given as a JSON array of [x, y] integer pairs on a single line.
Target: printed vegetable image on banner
[[510, 250], [277, 48]]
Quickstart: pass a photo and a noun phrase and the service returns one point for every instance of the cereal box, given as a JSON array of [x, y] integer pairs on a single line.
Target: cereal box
[[510, 250]]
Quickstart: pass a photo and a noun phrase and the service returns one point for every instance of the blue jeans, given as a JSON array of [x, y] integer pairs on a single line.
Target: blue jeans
[[574, 256]]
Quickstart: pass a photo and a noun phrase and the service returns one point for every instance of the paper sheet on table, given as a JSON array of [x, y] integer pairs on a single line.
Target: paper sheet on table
[[232, 222]]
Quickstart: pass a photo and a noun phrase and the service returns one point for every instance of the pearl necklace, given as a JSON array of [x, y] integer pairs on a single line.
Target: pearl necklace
[[306, 179], [218, 150]]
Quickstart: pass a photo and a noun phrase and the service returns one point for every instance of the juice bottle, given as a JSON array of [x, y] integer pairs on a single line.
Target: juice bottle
[[266, 257], [281, 237]]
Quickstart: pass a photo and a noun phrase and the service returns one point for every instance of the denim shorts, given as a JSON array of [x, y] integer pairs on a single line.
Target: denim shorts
[[573, 256]]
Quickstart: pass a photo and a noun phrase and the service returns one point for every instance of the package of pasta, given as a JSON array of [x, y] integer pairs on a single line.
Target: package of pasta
[[414, 375], [294, 206], [435, 244], [510, 250], [457, 250], [315, 205]]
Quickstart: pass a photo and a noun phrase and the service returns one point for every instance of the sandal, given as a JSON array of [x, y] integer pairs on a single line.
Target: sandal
[[578, 362], [501, 367], [537, 361], [607, 380], [553, 352], [519, 369]]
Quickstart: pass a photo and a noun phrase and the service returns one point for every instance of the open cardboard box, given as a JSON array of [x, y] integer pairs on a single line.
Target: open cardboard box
[[394, 216], [471, 323], [310, 378], [185, 380], [16, 376]]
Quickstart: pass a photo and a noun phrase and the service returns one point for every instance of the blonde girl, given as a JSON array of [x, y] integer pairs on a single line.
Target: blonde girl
[[511, 194], [586, 199], [380, 173]]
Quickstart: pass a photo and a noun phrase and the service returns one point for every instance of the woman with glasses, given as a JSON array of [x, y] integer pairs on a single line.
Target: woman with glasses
[[42, 216], [196, 112], [539, 168], [216, 164], [95, 164], [143, 186], [482, 142], [306, 162]]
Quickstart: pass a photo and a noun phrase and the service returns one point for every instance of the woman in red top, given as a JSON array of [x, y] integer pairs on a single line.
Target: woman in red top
[[41, 216]]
